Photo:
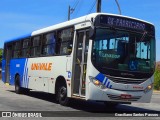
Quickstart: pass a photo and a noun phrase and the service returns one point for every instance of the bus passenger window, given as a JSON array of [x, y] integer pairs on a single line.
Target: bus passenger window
[[66, 48], [35, 49], [65, 41], [58, 43], [17, 49], [26, 49], [48, 47]]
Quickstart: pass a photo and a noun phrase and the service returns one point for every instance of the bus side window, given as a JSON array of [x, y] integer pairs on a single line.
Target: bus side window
[[35, 46], [65, 41], [26, 48], [58, 43], [48, 44], [17, 49]]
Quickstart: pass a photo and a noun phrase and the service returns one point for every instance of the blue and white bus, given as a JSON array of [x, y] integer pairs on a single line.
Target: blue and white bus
[[101, 57]]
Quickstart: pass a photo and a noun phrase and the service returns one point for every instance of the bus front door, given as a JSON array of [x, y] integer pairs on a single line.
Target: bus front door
[[80, 65]]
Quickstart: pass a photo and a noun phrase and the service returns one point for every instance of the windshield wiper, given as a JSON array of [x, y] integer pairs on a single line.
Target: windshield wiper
[[143, 36]]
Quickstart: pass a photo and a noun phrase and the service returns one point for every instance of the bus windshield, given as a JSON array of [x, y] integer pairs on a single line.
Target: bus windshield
[[123, 51]]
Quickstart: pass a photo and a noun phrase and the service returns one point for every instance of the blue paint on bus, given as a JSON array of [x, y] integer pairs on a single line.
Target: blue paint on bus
[[100, 77], [19, 38], [104, 80], [17, 67]]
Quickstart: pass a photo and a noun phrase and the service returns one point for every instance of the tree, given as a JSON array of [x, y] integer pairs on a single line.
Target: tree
[[1, 52], [157, 79]]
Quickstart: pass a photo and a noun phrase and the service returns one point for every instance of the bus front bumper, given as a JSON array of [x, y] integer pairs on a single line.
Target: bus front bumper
[[107, 94]]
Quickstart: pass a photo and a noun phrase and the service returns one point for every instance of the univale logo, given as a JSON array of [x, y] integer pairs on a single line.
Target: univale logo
[[41, 66]]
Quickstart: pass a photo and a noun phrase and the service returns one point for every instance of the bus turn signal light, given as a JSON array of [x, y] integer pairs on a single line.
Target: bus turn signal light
[[149, 87], [96, 82]]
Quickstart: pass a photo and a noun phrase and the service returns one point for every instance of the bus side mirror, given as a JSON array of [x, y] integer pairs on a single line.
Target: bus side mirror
[[91, 32]]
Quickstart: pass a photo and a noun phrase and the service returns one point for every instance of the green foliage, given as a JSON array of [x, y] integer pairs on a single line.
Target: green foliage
[[157, 79], [1, 52]]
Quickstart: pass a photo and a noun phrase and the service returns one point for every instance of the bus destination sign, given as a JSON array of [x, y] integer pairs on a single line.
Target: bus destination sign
[[122, 22]]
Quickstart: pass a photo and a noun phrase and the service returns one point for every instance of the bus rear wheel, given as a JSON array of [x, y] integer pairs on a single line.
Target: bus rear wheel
[[18, 89], [62, 96]]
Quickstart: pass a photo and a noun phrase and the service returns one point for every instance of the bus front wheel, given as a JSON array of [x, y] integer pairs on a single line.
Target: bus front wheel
[[62, 95]]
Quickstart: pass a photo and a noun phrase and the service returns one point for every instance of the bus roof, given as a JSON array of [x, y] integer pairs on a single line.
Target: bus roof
[[19, 37], [69, 23]]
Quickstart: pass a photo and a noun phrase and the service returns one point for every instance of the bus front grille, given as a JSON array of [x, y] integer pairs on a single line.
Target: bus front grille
[[126, 80], [119, 98]]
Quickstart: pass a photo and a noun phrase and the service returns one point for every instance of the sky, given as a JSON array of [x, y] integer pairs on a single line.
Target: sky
[[19, 17]]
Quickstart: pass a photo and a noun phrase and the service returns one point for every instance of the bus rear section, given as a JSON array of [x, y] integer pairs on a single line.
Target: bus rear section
[[7, 56]]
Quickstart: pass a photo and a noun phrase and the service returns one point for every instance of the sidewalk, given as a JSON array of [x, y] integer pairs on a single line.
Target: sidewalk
[[156, 91]]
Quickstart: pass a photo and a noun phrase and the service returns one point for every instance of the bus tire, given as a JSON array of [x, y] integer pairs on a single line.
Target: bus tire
[[62, 95], [18, 89]]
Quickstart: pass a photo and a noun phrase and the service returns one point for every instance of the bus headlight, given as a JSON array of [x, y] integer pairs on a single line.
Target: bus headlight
[[96, 82], [148, 88]]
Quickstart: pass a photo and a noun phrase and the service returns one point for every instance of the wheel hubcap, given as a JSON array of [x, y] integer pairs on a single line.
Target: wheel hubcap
[[63, 93]]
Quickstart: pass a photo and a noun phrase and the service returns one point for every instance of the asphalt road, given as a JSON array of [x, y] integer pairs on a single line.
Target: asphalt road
[[38, 101]]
